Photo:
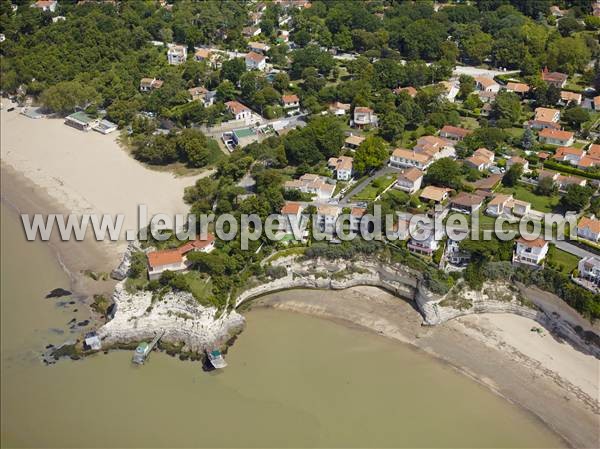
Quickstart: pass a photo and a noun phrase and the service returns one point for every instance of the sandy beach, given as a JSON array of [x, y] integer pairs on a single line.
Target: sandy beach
[[87, 171], [555, 382]]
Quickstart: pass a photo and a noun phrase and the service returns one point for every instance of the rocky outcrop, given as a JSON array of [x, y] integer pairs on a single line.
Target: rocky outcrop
[[401, 281], [184, 321], [122, 270]]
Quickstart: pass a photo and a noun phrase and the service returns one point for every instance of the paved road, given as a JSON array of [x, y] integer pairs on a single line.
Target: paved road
[[475, 71], [572, 249], [365, 182]]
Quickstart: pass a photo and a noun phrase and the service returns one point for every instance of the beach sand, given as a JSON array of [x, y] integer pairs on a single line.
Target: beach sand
[[555, 382], [87, 171]]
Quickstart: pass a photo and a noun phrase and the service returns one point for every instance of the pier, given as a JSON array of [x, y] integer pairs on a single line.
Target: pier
[[143, 350]]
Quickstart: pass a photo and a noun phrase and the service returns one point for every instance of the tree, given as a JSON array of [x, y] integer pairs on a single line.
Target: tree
[[311, 56], [65, 96], [372, 153], [281, 82], [528, 139], [445, 172], [226, 91], [477, 47], [391, 126], [233, 69], [569, 25], [467, 85], [576, 198], [507, 106], [192, 146], [513, 175], [568, 54], [545, 186], [575, 116]]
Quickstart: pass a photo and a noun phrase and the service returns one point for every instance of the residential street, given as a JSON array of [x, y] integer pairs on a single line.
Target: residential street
[[364, 183]]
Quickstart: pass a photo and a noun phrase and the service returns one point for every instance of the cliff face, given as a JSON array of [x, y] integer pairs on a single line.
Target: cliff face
[[138, 317], [496, 297]]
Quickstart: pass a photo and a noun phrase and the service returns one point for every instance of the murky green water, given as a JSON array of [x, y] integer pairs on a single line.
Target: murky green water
[[292, 381]]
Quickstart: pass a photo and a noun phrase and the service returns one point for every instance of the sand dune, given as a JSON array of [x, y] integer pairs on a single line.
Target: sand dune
[[87, 171]]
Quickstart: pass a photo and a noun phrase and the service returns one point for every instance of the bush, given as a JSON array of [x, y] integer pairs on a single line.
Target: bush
[[570, 169], [276, 272]]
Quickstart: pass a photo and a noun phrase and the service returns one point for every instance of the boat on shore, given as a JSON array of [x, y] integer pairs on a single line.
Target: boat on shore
[[216, 359], [144, 348]]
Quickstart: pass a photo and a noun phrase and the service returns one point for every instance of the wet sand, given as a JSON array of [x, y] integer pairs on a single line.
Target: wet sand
[[547, 377]]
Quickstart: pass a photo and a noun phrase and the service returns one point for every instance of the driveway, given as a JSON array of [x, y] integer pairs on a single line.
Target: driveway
[[476, 71], [572, 249], [365, 182]]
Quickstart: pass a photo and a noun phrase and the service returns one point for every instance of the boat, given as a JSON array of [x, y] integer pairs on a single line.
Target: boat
[[216, 359], [141, 352]]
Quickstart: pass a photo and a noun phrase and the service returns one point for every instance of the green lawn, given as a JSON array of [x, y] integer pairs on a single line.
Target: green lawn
[[198, 285], [538, 202], [378, 185], [515, 132], [561, 260]]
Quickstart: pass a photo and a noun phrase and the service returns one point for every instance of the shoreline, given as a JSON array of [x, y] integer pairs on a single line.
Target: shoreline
[[462, 343], [465, 345], [22, 196]]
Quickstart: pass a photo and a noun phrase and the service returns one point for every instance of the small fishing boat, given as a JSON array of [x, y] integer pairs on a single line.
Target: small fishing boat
[[216, 359], [141, 352]]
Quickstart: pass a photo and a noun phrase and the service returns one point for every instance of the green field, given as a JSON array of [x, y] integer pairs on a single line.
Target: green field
[[378, 185], [561, 260], [538, 202]]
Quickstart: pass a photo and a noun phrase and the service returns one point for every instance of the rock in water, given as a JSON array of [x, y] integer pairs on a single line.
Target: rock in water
[[58, 293]]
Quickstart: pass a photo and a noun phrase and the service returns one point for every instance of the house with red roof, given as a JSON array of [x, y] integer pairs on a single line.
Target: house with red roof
[[175, 259], [556, 137], [530, 252]]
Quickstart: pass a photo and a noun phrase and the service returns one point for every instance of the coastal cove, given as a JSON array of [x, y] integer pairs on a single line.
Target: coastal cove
[[285, 369]]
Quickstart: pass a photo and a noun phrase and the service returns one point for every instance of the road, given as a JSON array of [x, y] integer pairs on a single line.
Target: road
[[475, 71], [572, 249]]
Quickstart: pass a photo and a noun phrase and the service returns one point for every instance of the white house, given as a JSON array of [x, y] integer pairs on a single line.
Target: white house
[[568, 154], [423, 242], [338, 108], [45, 5], [589, 269], [176, 54], [437, 147], [239, 111], [258, 47], [311, 184], [255, 61], [466, 203], [517, 160], [409, 180], [290, 103], [291, 217], [503, 204], [352, 142], [454, 133], [484, 84], [356, 214], [589, 228], [556, 137], [342, 166], [364, 117], [402, 158], [148, 84], [481, 159], [175, 259], [530, 252], [326, 217]]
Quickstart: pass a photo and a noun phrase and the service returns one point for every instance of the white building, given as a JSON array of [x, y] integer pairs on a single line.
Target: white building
[[530, 252], [45, 5], [589, 269], [589, 228], [423, 242], [402, 158], [175, 259], [176, 54], [311, 184], [409, 180], [327, 217], [342, 167], [291, 217], [484, 84], [364, 117], [239, 111], [255, 61], [148, 84]]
